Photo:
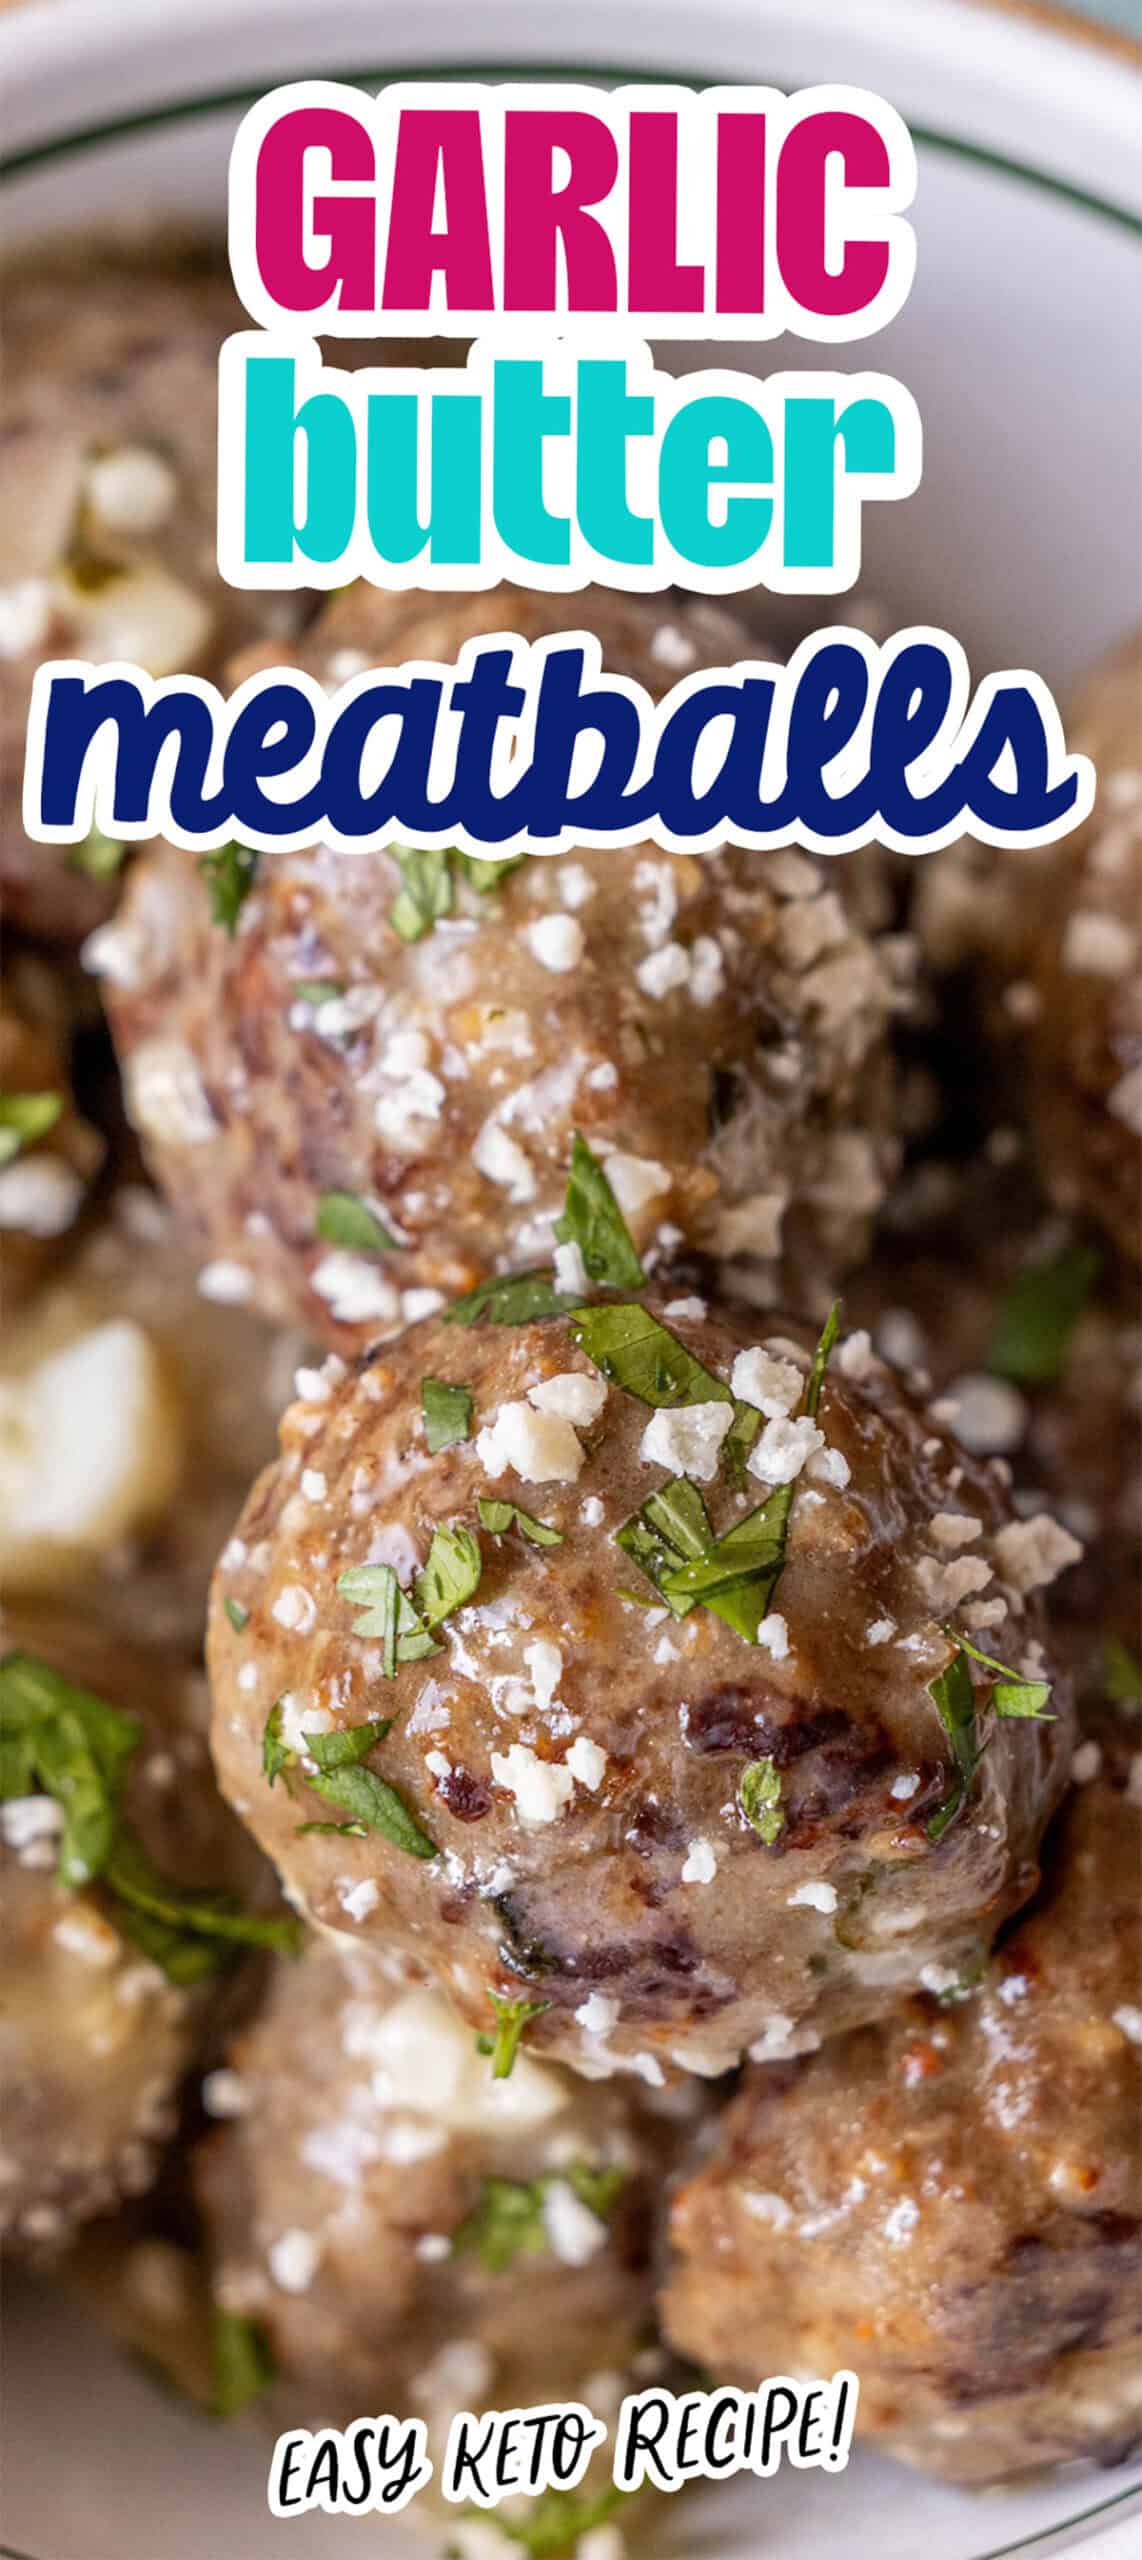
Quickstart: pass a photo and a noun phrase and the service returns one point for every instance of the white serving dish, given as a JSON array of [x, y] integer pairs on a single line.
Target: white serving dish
[[1025, 538]]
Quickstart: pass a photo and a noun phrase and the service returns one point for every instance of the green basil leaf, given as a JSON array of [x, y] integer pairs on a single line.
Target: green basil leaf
[[351, 1744], [451, 1574], [99, 857], [344, 1219], [144, 1892], [1012, 1694], [317, 991], [447, 1414], [371, 1801], [593, 1220], [633, 1351], [241, 2366], [1035, 1322], [484, 875], [425, 893], [515, 1298], [953, 1697], [276, 1754], [759, 1796], [237, 1615]]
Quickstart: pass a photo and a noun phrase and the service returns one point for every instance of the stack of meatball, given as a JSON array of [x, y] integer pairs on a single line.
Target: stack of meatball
[[695, 1737]]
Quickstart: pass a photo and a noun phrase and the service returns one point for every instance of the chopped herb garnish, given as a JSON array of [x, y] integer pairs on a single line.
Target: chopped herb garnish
[[344, 1219], [24, 1117], [513, 2018], [339, 1830], [388, 1614], [1012, 1694], [98, 856], [66, 1742], [498, 1517], [1037, 1318], [739, 1441], [447, 1414], [760, 1798], [229, 874], [238, 1616], [241, 2366], [559, 2520], [516, 1298], [508, 2222], [672, 1527], [318, 991], [593, 1220], [1122, 1673], [483, 875], [339, 1776], [425, 893], [953, 1697], [451, 1575], [632, 1350]]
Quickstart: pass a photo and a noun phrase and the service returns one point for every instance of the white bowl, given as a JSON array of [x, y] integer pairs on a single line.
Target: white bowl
[[1024, 538]]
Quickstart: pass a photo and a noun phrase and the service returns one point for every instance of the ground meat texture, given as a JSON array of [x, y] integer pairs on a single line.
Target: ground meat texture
[[409, 2233], [716, 1027], [951, 2205], [108, 432], [94, 2037], [576, 1757], [44, 1178], [1086, 976]]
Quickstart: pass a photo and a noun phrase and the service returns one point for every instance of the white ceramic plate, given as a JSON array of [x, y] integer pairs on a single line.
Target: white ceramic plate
[[1025, 539]]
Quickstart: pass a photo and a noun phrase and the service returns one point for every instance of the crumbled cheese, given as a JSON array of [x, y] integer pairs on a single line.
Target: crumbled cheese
[[557, 942], [572, 1394], [574, 884], [945, 1585], [854, 1358], [773, 1386], [881, 1631], [542, 1788], [295, 1608], [815, 1897], [635, 1180], [293, 2260], [415, 1304], [774, 1635], [502, 1159], [663, 970], [416, 1095], [905, 1785], [765, 2206], [358, 1900], [587, 1762], [672, 648], [1125, 1100], [165, 1096], [575, 2234], [25, 614], [1030, 1553], [829, 1466], [314, 1485], [354, 1291], [1086, 1763], [1129, 2020], [938, 1978], [597, 2014], [131, 489], [707, 969], [39, 1196], [570, 1271], [591, 1512], [542, 1448], [545, 1664], [780, 1453], [458, 2377], [679, 1308], [226, 1284], [988, 1414], [687, 1439], [24, 1819], [701, 1863], [954, 1529], [1098, 946], [225, 2095]]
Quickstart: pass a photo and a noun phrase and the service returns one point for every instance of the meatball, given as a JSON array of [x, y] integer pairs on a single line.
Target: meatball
[[678, 1831], [134, 1411], [105, 2000], [48, 1155], [365, 1102], [1086, 976], [409, 2232], [951, 2204]]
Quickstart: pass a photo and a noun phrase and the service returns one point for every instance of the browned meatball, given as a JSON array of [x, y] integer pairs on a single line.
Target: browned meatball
[[716, 1027], [48, 1155], [951, 2205], [101, 2009], [109, 422], [687, 1836], [1086, 976], [408, 2232]]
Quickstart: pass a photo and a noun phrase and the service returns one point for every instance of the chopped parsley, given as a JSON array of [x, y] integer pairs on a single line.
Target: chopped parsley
[[344, 1219], [447, 1414], [98, 856], [425, 893], [509, 2222], [25, 1117], [62, 1740], [513, 2018], [514, 1298], [388, 1614], [237, 1615], [241, 2366], [498, 1517], [317, 991], [1035, 1322], [632, 1350], [953, 1696], [673, 1526], [593, 1220], [1122, 1673], [482, 875], [760, 1798], [338, 1775], [559, 2520], [229, 874]]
